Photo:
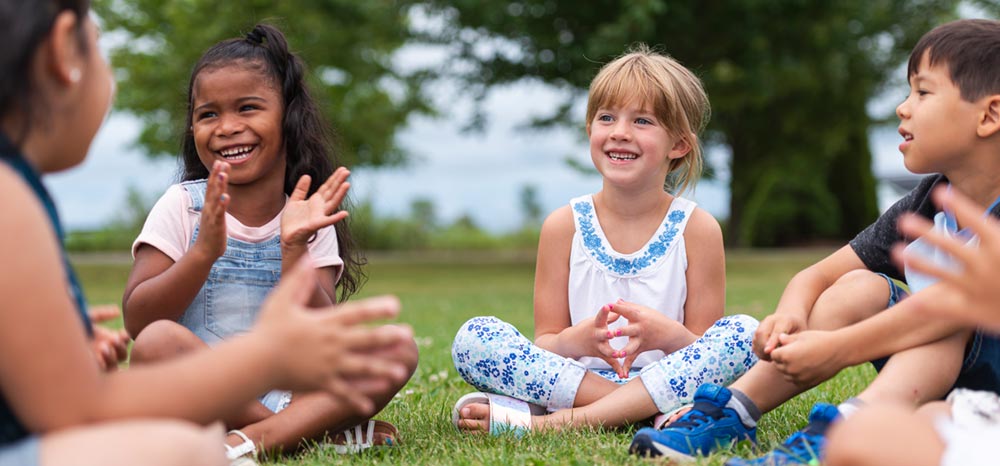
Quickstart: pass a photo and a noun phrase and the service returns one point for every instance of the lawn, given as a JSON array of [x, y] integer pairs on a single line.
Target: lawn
[[439, 294]]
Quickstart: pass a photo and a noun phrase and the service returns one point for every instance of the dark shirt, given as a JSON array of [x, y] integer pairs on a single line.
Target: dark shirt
[[11, 428], [874, 243]]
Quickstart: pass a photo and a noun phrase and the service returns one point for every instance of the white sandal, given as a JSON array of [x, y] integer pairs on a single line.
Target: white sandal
[[506, 414], [357, 440], [242, 454]]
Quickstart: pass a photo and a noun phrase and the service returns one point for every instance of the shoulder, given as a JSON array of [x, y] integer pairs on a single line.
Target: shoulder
[[702, 226], [559, 223], [24, 222]]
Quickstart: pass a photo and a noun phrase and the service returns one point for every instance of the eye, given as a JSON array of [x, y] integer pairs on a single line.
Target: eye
[[922, 92], [605, 117], [644, 121], [248, 107], [204, 115]]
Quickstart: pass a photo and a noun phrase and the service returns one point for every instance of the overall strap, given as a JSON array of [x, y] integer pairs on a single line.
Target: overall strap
[[196, 189]]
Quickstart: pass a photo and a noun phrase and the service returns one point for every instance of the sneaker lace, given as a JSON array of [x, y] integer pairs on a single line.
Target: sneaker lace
[[803, 446], [702, 413]]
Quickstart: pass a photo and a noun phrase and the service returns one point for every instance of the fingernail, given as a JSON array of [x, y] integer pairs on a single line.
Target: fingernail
[[623, 354], [223, 197], [618, 332], [620, 300], [609, 334], [220, 176], [611, 306]]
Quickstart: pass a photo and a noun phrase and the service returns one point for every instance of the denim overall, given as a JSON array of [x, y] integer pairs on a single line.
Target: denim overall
[[231, 297]]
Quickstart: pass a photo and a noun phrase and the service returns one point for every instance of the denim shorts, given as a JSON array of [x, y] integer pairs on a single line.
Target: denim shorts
[[24, 452], [981, 366]]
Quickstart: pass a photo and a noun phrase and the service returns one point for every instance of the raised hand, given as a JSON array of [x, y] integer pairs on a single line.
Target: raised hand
[[647, 330], [303, 217], [212, 236], [326, 348], [967, 293], [110, 347], [807, 358], [765, 339]]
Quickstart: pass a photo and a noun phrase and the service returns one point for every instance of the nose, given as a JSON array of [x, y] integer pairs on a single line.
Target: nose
[[903, 109], [229, 124], [621, 130]]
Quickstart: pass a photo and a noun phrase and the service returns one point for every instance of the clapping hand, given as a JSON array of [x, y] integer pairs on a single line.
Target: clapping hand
[[303, 217]]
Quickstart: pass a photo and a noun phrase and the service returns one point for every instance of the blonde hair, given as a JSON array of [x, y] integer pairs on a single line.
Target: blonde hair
[[675, 94]]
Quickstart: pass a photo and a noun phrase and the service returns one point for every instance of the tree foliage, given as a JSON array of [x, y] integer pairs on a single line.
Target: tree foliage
[[789, 81], [347, 44]]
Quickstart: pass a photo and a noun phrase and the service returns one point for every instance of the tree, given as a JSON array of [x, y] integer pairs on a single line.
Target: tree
[[531, 208], [347, 44], [789, 81]]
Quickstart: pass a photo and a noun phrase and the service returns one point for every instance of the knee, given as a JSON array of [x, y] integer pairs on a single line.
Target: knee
[[855, 296], [161, 340], [192, 444], [474, 332]]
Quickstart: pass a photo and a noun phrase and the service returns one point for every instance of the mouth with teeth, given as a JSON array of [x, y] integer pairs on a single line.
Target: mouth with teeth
[[622, 156], [236, 154], [907, 139]]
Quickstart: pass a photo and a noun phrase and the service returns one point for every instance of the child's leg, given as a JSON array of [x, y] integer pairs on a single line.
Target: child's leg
[[313, 415], [151, 442], [854, 297], [494, 357], [907, 377], [884, 436], [720, 356], [165, 339]]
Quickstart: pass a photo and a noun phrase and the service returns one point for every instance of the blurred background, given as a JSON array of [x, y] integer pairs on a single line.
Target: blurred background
[[463, 124]]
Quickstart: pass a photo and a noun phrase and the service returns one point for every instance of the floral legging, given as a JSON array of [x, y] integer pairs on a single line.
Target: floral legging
[[494, 357]]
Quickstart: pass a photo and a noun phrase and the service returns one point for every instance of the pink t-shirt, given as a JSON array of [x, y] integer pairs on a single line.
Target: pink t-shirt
[[170, 226]]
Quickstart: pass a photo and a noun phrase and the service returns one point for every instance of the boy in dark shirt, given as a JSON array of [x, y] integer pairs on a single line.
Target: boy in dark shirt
[[833, 314]]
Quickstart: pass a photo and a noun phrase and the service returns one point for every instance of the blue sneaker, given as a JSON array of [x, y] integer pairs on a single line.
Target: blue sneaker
[[707, 427], [804, 446]]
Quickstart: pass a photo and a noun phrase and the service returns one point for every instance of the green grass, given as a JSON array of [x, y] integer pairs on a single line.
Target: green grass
[[438, 295]]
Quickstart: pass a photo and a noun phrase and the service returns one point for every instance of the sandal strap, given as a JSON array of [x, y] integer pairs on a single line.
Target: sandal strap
[[357, 441], [242, 449]]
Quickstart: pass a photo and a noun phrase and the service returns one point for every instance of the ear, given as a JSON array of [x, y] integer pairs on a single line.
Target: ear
[[989, 121], [682, 147], [62, 51]]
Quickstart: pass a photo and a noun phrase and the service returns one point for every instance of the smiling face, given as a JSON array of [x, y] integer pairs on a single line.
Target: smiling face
[[937, 125], [629, 145], [237, 118]]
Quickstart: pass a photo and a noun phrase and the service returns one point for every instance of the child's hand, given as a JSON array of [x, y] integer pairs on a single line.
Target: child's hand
[[968, 294], [326, 348], [647, 330], [303, 217], [591, 338], [212, 226], [808, 358], [765, 339], [109, 347]]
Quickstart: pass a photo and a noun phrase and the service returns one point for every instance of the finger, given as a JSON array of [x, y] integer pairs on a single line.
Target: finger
[[923, 266], [613, 316], [361, 403], [601, 319], [296, 286], [626, 309], [331, 219], [786, 339], [301, 188], [615, 365], [337, 197], [952, 246], [772, 344], [968, 213], [365, 310], [103, 313], [627, 364]]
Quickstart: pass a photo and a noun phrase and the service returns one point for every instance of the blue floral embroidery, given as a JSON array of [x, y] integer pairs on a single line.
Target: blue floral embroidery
[[622, 266]]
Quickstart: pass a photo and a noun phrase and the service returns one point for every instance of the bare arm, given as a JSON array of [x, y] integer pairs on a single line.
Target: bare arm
[[706, 273], [53, 382], [551, 300], [157, 287]]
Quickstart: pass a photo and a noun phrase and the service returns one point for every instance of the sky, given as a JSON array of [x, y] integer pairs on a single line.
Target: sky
[[479, 174]]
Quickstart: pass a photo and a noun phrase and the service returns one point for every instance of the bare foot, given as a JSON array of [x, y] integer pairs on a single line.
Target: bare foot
[[474, 418]]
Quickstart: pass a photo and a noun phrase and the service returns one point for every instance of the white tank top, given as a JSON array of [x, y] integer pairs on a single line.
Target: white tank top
[[653, 276]]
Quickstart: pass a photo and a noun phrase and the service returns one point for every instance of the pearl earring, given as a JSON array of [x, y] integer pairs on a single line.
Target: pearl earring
[[75, 75]]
